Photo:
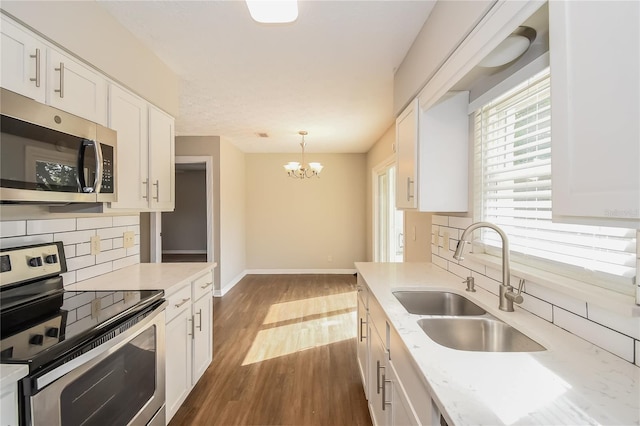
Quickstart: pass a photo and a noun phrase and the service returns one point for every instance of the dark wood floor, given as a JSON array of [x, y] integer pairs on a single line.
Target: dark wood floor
[[284, 354]]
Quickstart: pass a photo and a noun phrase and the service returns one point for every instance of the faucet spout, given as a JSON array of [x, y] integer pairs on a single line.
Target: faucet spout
[[506, 302]]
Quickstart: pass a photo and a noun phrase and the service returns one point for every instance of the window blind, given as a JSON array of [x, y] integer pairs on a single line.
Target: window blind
[[513, 190]]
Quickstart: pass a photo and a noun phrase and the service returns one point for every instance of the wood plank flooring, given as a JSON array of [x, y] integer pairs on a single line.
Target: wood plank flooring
[[284, 354]]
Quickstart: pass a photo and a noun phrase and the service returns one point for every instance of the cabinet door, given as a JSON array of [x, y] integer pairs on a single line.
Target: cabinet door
[[378, 389], [75, 88], [161, 160], [407, 157], [203, 336], [23, 62], [595, 136], [178, 361], [128, 117], [402, 412], [362, 348]]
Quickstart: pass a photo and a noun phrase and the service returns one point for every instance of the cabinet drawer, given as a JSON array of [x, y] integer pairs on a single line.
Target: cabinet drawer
[[178, 302], [202, 285]]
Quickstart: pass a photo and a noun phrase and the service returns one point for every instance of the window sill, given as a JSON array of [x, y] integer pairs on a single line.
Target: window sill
[[619, 303]]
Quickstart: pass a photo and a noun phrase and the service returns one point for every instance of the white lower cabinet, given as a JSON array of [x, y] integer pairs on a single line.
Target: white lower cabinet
[[189, 337], [363, 338], [397, 394]]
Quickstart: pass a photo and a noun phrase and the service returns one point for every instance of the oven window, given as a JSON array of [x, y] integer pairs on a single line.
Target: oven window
[[115, 390]]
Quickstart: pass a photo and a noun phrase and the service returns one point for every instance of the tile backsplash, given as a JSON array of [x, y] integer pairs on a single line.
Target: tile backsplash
[[608, 330], [76, 233]]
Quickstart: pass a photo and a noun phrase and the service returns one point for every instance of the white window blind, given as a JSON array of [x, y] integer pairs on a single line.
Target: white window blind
[[513, 190]]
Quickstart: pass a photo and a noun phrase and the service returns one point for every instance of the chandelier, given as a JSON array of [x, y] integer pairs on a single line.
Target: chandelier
[[302, 170]]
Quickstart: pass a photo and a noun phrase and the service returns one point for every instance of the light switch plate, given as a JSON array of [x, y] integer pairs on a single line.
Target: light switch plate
[[129, 239], [95, 245]]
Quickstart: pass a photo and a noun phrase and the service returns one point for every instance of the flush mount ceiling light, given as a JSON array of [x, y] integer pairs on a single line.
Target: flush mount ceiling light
[[510, 49], [302, 170], [273, 11]]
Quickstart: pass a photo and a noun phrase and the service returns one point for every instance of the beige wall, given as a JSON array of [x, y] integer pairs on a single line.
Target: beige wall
[[80, 27], [298, 224]]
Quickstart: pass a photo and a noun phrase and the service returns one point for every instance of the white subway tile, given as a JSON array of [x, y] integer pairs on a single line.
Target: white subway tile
[[110, 255], [71, 316], [94, 222], [136, 240], [46, 226], [80, 262], [70, 251], [83, 298], [106, 244], [459, 270], [625, 325], [68, 278], [83, 249], [135, 229], [94, 271], [117, 242], [474, 266], [112, 232], [133, 250], [555, 298], [13, 228], [435, 229], [74, 237], [126, 261], [537, 307], [440, 220], [612, 341], [83, 311], [487, 283], [118, 296], [25, 240], [460, 222], [494, 273], [126, 220], [438, 261], [447, 254]]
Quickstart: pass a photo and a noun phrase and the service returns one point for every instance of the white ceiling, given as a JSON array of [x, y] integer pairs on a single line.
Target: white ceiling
[[329, 73]]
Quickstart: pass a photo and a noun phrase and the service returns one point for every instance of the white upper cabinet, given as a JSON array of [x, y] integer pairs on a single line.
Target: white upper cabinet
[[407, 157], [161, 160], [129, 117], [595, 98], [443, 151], [23, 61], [76, 88]]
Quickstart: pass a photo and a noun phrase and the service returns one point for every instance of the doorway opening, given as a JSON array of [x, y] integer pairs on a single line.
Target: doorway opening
[[388, 221]]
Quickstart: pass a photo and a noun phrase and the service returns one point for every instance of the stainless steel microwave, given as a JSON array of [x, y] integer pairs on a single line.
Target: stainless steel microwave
[[50, 156]]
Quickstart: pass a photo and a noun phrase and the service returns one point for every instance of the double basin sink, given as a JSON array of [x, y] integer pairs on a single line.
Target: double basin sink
[[456, 322]]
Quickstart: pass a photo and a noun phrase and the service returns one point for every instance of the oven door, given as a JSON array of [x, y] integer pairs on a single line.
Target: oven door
[[120, 382]]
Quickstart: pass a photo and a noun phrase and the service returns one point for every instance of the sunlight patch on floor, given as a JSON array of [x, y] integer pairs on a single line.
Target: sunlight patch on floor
[[286, 311], [291, 338]]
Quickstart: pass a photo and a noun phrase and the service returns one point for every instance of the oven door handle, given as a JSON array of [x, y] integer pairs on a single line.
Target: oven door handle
[[101, 351]]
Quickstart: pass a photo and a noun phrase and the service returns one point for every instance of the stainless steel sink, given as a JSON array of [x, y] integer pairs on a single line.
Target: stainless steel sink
[[478, 334], [437, 303]]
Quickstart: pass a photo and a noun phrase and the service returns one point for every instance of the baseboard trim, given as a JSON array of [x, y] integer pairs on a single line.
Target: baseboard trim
[[299, 271], [184, 252], [230, 285]]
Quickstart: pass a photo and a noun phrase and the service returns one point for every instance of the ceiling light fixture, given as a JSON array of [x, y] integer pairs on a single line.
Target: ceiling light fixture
[[273, 11], [302, 170], [510, 49]]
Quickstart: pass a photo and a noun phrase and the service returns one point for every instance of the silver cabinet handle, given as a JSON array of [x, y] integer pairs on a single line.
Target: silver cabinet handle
[[37, 58], [157, 185], [362, 336], [379, 367], [409, 195], [177, 305], [199, 326], [146, 185], [384, 392], [206, 285], [61, 89]]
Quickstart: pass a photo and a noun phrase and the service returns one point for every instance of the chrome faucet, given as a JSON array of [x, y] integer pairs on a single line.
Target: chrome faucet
[[507, 295]]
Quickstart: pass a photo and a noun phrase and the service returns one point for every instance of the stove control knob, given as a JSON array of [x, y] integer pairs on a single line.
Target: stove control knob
[[52, 332], [35, 261], [52, 258], [36, 339]]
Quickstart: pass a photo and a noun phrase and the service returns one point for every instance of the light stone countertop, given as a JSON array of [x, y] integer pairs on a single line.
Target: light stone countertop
[[146, 276], [573, 382], [11, 373]]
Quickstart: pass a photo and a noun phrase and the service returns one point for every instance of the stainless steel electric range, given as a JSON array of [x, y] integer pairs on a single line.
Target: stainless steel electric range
[[94, 357]]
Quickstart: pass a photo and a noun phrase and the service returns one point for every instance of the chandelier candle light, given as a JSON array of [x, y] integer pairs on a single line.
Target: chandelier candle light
[[302, 170]]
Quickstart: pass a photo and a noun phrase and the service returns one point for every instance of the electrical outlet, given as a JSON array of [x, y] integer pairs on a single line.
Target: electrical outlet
[[129, 239], [95, 245]]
